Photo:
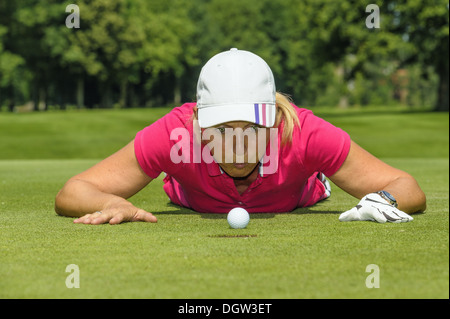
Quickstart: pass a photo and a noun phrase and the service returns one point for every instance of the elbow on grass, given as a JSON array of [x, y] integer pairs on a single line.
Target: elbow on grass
[[58, 206], [423, 202]]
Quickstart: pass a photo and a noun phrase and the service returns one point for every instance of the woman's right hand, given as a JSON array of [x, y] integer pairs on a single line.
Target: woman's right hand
[[116, 215], [105, 187]]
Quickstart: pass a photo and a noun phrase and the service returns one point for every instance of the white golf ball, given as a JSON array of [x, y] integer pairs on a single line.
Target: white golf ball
[[238, 218]]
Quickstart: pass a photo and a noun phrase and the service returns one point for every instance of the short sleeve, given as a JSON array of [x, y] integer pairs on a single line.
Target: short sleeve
[[323, 147], [153, 145]]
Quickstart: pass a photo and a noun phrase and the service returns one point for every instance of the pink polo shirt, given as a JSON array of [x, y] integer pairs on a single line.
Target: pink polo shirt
[[317, 146]]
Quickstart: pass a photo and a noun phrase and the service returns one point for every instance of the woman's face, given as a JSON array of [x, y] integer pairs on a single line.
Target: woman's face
[[239, 146]]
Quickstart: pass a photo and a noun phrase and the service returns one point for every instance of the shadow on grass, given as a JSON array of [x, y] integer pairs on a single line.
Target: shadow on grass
[[178, 210]]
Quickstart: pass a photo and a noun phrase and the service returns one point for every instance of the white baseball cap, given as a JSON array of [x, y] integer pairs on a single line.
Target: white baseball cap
[[236, 85]]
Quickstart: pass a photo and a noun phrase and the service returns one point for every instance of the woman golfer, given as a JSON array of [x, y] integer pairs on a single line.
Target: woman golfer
[[241, 145]]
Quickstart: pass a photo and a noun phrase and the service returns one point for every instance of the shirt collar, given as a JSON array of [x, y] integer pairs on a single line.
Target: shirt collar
[[214, 169]]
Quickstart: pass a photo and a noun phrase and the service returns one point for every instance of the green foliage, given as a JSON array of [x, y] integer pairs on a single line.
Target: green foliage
[[138, 52]]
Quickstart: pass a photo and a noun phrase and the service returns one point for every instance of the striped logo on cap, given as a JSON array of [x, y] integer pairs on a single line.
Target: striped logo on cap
[[263, 114]]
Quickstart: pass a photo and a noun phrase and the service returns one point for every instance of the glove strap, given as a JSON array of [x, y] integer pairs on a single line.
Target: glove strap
[[389, 198]]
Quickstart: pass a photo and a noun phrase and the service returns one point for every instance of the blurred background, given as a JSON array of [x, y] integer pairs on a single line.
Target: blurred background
[[148, 53]]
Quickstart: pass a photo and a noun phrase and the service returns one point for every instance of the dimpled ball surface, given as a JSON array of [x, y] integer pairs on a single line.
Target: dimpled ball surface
[[238, 218]]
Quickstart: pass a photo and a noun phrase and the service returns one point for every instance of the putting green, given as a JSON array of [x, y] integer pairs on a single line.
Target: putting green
[[307, 253]]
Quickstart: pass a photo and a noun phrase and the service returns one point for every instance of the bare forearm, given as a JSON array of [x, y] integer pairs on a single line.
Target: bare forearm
[[409, 196], [79, 197]]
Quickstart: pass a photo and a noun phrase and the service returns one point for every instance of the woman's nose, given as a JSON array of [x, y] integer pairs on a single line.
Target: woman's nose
[[239, 147]]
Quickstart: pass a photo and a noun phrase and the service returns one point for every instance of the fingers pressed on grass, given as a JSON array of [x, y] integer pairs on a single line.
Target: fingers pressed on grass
[[100, 219], [90, 218], [145, 217], [115, 217], [82, 219]]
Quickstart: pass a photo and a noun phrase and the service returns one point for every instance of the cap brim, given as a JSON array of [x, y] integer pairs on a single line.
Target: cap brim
[[259, 113]]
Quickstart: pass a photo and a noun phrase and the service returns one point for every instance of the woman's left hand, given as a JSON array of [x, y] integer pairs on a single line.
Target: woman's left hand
[[374, 208]]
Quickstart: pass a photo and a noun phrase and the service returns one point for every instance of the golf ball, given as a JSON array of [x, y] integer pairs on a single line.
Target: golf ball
[[238, 218]]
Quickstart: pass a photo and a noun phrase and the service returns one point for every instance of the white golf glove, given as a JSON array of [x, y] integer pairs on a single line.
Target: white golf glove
[[374, 208]]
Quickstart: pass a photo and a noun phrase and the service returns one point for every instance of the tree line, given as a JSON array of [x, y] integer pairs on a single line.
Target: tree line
[[145, 53]]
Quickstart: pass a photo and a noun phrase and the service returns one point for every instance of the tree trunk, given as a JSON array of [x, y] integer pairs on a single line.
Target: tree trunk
[[442, 101], [106, 99], [35, 96], [42, 104], [134, 102], [123, 93], [12, 100], [177, 91], [80, 92]]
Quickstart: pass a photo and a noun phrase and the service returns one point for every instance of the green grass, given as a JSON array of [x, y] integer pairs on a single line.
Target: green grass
[[72, 134], [98, 133], [307, 253]]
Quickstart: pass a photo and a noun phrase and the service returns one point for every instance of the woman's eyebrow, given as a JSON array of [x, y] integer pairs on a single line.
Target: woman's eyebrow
[[223, 126], [229, 126]]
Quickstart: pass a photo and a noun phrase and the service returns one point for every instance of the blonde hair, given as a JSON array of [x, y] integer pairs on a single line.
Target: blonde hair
[[285, 115]]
